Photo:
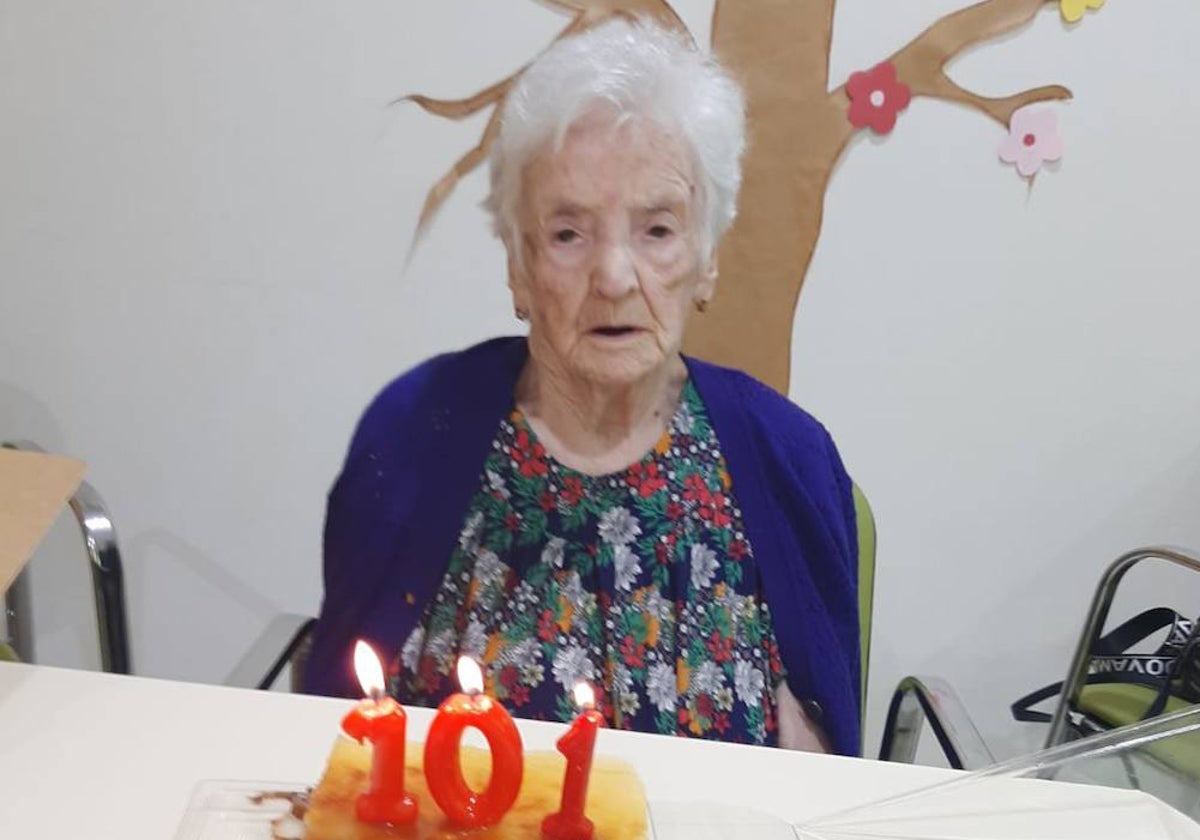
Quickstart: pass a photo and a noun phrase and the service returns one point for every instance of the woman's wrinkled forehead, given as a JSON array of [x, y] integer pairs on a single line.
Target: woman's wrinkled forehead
[[602, 160]]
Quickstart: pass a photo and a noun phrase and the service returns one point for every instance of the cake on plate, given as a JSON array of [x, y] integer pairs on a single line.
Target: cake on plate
[[616, 802]]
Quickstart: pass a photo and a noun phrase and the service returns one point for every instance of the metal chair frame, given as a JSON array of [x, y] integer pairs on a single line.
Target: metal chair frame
[[918, 700], [108, 581], [1060, 730]]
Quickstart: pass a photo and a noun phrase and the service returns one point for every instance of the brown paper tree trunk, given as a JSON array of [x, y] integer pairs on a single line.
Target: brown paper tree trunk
[[779, 51]]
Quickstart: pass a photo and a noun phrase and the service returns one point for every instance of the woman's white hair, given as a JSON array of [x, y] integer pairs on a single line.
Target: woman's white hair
[[639, 70]]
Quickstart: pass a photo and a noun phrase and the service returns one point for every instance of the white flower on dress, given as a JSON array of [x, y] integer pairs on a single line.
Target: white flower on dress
[[619, 527], [660, 686], [629, 703], [441, 646], [708, 678], [523, 593], [533, 674], [622, 680], [410, 654], [685, 422], [658, 606], [571, 664], [572, 591], [554, 552], [496, 484], [724, 699], [474, 639], [468, 539], [704, 565], [523, 654], [489, 571], [626, 567], [749, 682]]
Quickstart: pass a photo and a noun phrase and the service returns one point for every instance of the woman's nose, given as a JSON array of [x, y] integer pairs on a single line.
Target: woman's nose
[[615, 274]]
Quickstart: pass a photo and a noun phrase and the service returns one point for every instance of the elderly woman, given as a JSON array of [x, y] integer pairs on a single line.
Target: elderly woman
[[588, 504]]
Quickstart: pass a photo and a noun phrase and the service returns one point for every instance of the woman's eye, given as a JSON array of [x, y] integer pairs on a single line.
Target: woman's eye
[[660, 231], [565, 236]]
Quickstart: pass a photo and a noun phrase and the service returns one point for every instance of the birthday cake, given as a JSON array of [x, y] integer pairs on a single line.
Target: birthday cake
[[616, 803]]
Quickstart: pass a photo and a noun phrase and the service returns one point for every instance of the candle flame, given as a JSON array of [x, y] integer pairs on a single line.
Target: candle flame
[[368, 668], [470, 676], [585, 698]]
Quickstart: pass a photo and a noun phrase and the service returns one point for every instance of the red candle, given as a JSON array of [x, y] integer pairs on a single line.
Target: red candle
[[381, 721], [464, 807], [569, 823]]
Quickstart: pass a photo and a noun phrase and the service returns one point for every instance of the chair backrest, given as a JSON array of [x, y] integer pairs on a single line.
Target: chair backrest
[[866, 585], [104, 559]]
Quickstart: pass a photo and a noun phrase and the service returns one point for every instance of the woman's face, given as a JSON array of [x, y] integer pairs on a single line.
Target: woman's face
[[611, 258]]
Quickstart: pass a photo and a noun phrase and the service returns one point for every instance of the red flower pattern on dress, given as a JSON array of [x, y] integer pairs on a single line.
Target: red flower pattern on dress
[[546, 627], [572, 491], [529, 456], [695, 490], [721, 647], [876, 98], [518, 695], [633, 653], [647, 479]]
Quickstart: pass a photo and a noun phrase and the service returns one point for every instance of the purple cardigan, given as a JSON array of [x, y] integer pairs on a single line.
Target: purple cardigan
[[414, 463]]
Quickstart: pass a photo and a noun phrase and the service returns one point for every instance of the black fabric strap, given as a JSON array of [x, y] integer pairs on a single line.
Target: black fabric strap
[[1109, 650]]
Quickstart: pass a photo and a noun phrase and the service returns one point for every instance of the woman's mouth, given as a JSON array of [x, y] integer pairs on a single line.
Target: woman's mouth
[[614, 332]]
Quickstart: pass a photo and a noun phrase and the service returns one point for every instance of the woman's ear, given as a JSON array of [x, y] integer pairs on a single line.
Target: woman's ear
[[518, 282], [707, 287]]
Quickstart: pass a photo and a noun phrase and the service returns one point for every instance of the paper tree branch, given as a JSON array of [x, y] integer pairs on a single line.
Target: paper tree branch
[[921, 64]]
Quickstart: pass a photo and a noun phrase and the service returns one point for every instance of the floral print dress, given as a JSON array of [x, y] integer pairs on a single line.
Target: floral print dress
[[642, 582]]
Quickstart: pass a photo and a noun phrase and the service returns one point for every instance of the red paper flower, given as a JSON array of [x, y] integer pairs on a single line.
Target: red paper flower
[[876, 97]]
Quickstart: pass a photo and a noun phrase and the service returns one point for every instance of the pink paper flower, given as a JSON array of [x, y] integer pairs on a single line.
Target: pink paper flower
[[876, 97], [1032, 139]]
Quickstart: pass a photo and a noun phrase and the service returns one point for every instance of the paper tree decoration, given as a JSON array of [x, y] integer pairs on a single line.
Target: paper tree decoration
[[799, 129]]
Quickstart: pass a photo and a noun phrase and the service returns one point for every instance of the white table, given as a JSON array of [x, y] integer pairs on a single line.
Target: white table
[[85, 755]]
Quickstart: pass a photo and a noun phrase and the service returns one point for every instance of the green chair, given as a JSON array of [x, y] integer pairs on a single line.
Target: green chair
[[866, 585]]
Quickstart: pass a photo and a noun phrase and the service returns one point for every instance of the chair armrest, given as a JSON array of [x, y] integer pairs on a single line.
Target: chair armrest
[[922, 698], [282, 642]]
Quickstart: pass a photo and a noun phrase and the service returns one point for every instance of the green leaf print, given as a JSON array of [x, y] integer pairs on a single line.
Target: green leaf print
[[574, 518], [537, 574], [755, 722], [721, 621], [633, 623], [652, 508], [533, 528], [733, 572], [565, 709], [752, 629], [661, 575]]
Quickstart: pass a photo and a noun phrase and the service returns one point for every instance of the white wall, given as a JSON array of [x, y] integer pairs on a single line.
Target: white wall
[[204, 218]]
